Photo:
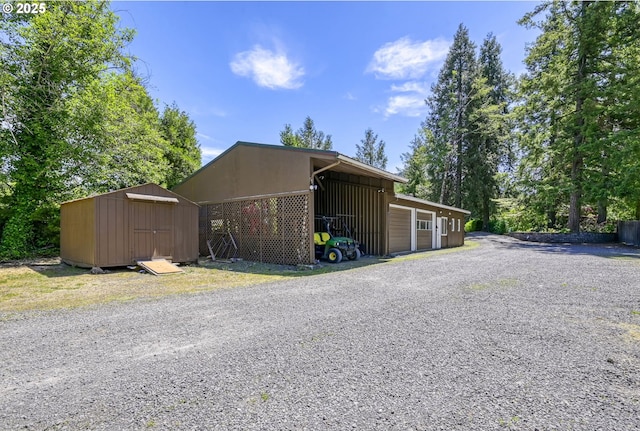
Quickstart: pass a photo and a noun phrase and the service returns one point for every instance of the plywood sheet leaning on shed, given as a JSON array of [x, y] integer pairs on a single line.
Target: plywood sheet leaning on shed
[[159, 267]]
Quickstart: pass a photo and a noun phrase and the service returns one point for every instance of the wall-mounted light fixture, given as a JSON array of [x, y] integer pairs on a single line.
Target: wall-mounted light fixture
[[381, 190]]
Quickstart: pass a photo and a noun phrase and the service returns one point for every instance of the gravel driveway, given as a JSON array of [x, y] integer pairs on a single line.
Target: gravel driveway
[[509, 335]]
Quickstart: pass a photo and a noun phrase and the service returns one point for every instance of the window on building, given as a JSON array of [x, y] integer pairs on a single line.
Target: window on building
[[445, 223], [424, 224]]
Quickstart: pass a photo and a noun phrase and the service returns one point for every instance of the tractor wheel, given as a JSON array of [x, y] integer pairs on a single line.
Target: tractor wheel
[[356, 255], [334, 255]]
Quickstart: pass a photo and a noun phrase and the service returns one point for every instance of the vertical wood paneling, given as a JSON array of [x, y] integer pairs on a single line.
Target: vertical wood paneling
[[100, 231], [77, 232], [357, 196]]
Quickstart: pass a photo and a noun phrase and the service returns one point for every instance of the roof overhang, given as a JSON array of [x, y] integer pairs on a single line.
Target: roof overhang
[[342, 163], [426, 202]]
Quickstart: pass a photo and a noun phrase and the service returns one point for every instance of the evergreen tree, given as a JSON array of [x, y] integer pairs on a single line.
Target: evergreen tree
[[580, 106], [461, 146], [306, 137], [288, 138], [488, 143], [449, 120], [371, 151]]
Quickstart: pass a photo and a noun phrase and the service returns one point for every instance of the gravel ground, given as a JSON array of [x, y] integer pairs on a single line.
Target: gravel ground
[[509, 335]]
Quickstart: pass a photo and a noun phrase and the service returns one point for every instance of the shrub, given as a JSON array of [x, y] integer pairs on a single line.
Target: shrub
[[498, 226], [473, 225]]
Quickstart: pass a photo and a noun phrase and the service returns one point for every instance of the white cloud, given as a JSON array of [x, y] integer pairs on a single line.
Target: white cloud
[[267, 68], [409, 105], [410, 102], [411, 87], [406, 59]]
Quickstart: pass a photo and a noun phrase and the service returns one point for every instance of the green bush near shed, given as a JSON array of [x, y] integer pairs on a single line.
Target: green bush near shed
[[473, 225], [498, 226]]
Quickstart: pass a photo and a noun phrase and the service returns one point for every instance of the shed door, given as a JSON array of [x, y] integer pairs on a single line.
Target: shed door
[[152, 230], [399, 229]]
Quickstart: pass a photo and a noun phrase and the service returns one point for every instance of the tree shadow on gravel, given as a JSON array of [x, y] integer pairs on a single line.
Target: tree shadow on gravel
[[608, 250]]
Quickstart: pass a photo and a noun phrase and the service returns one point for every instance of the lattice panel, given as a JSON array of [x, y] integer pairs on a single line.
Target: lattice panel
[[273, 230]]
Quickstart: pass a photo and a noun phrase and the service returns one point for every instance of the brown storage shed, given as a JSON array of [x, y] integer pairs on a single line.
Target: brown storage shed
[[128, 225]]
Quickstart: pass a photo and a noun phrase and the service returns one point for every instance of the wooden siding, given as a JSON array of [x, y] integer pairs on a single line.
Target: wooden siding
[[112, 231], [253, 171], [399, 230], [246, 171], [424, 239], [453, 238], [185, 242], [78, 233], [123, 230]]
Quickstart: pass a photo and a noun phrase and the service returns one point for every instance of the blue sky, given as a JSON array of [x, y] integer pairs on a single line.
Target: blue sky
[[242, 70]]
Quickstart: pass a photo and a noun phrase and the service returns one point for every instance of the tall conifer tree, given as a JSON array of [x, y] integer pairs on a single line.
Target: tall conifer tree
[[371, 151], [580, 105]]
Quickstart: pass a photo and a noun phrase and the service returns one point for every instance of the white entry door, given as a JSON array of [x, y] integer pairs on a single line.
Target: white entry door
[[438, 233]]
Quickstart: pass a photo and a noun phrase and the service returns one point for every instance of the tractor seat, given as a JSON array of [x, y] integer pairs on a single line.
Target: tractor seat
[[320, 238]]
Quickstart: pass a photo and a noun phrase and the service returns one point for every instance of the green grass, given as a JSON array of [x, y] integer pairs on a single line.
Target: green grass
[[55, 285]]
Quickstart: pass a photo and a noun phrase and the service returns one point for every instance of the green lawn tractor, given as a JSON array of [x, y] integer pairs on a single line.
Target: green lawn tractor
[[335, 248]]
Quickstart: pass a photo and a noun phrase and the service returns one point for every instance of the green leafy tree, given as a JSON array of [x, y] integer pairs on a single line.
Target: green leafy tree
[[183, 151], [371, 151], [45, 61], [414, 170], [122, 135], [306, 137]]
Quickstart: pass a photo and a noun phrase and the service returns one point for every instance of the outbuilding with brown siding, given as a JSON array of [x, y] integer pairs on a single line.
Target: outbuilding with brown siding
[[268, 198], [128, 225], [417, 224]]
